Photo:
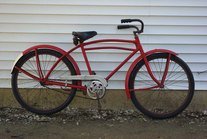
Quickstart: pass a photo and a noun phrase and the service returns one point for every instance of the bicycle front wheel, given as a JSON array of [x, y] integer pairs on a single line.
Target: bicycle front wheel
[[35, 96], [169, 100]]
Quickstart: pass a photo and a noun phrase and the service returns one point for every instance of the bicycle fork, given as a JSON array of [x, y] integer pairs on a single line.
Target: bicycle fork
[[159, 83], [144, 56]]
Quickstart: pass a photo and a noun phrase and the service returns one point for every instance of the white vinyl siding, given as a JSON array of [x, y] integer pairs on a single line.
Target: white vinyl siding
[[180, 26]]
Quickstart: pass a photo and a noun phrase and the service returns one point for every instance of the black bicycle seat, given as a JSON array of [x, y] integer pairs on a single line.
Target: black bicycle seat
[[84, 35]]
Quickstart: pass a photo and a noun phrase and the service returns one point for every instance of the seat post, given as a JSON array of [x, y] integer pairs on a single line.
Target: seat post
[[86, 59]]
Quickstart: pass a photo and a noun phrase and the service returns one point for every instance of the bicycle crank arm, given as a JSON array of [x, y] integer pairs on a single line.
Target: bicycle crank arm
[[89, 78]]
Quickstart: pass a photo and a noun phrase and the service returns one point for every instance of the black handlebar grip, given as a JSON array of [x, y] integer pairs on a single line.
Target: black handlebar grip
[[131, 26], [126, 20], [123, 26]]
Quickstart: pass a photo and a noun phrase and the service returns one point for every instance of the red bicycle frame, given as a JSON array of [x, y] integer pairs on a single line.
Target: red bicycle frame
[[138, 48]]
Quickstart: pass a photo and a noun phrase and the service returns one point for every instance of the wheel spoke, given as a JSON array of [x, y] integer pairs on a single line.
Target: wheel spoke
[[35, 96], [173, 97]]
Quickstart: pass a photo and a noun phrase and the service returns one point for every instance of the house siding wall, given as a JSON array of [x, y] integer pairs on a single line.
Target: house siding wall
[[180, 26]]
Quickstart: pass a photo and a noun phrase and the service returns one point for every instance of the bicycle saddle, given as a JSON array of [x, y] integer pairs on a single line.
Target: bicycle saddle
[[82, 36]]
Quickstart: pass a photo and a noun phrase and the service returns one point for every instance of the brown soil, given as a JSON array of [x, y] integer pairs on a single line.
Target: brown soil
[[107, 124]]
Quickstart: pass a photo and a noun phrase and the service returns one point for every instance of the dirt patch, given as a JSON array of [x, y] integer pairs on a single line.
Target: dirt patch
[[105, 124]]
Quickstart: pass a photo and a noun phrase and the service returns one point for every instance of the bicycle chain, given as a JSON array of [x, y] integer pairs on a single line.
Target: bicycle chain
[[68, 93]]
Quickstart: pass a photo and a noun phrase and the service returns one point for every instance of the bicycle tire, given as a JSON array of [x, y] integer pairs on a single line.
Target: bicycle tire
[[36, 98], [164, 102]]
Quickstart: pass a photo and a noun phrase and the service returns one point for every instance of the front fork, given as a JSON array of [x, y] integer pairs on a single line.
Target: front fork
[[159, 83], [143, 56]]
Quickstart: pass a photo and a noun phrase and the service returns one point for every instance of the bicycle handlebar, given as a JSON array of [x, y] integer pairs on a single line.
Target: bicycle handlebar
[[131, 26], [126, 26]]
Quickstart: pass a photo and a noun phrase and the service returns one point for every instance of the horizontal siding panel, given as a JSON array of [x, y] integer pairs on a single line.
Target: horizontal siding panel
[[119, 76], [179, 26], [186, 49], [111, 2], [5, 74], [102, 10], [5, 83], [102, 29], [107, 58], [65, 38], [106, 66], [14, 49], [74, 10], [100, 19]]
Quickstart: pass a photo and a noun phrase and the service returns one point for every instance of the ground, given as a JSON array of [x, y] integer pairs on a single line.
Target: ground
[[93, 124]]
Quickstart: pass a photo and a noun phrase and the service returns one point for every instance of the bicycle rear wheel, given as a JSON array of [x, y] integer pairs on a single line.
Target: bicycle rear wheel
[[169, 100], [39, 98]]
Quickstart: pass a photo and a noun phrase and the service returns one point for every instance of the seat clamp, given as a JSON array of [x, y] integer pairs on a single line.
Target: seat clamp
[[76, 40]]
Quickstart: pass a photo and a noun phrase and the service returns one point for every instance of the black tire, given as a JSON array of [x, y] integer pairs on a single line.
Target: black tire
[[167, 102], [38, 98]]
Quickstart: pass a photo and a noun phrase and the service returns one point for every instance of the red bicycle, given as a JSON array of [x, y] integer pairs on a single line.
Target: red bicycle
[[45, 78]]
